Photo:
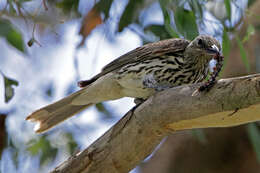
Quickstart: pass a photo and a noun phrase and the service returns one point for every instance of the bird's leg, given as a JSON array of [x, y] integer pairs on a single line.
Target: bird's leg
[[150, 82]]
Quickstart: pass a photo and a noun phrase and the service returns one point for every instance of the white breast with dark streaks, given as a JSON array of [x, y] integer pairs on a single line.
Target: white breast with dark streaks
[[168, 71]]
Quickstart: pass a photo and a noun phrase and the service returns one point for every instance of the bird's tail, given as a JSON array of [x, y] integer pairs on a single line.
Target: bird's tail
[[103, 89], [57, 112]]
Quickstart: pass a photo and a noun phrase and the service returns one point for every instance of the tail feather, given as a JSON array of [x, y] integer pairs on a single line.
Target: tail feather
[[104, 88], [55, 113]]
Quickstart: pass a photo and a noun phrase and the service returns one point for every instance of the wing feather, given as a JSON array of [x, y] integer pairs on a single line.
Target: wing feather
[[143, 53]]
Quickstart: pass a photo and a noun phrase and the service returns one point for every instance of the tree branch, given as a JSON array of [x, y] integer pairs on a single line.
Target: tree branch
[[230, 102]]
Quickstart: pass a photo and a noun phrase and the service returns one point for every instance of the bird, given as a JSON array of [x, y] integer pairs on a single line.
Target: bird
[[138, 74]]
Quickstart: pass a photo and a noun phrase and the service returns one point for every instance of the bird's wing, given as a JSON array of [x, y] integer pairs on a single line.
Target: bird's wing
[[143, 53]]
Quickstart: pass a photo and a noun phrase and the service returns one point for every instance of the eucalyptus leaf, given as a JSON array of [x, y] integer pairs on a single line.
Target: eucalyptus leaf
[[196, 7], [167, 20], [250, 2], [243, 54], [129, 14], [159, 31], [228, 8], [9, 88], [250, 31], [185, 21], [43, 148], [67, 6], [254, 136], [11, 34], [101, 108], [226, 45], [104, 6], [71, 144]]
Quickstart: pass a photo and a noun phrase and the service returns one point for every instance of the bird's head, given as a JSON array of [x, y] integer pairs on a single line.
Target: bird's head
[[203, 47]]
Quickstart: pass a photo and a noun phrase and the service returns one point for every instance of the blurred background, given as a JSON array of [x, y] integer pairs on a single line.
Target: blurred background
[[46, 46]]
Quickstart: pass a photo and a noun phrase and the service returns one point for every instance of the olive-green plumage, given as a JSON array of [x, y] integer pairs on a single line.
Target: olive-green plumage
[[139, 74]]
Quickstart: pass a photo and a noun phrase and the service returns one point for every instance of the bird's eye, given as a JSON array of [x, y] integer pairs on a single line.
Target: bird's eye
[[200, 42]]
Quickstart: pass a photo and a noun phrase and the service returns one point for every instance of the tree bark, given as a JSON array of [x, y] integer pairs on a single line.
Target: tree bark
[[230, 102]]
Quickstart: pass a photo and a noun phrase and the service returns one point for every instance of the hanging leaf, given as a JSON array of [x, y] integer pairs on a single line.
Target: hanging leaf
[[226, 45], [185, 21], [167, 20], [129, 14], [243, 54], [158, 30], [15, 39], [250, 31], [228, 8], [71, 143], [9, 90], [15, 152], [101, 108], [43, 148], [67, 6], [254, 136], [104, 6], [11, 34], [250, 2], [197, 8]]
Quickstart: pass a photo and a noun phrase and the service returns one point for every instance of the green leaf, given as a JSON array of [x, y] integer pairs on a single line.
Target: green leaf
[[15, 39], [129, 14], [11, 7], [158, 30], [185, 21], [11, 34], [226, 45], [167, 20], [197, 8], [9, 90], [68, 6], [243, 53], [101, 108], [43, 148], [104, 6], [71, 144], [250, 2], [254, 136], [228, 8], [250, 31], [257, 27]]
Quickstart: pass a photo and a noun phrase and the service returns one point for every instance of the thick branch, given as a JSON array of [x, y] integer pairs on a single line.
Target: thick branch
[[230, 102]]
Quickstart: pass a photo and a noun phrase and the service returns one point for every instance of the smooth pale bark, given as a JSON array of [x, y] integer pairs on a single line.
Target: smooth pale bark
[[230, 102]]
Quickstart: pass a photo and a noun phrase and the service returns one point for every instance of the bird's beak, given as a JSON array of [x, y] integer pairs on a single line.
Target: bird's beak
[[213, 49]]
